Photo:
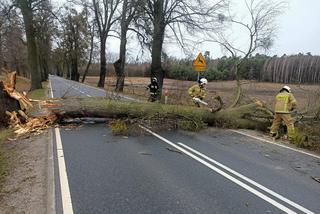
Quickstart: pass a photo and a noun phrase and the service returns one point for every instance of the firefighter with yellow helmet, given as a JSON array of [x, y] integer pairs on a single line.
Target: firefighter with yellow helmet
[[198, 91], [285, 102]]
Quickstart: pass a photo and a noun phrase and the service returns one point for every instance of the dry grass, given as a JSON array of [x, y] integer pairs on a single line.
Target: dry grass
[[308, 96], [23, 84]]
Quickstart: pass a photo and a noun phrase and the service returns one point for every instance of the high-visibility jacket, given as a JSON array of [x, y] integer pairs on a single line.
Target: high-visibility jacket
[[154, 88], [285, 102], [197, 91]]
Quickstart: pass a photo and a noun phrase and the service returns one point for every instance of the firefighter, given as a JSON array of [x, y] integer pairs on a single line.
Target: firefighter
[[285, 102], [198, 91], [153, 87]]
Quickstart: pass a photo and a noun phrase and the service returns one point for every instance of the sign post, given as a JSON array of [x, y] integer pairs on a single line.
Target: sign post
[[199, 64]]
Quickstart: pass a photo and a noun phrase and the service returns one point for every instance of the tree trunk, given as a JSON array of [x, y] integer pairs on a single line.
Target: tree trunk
[[27, 14], [122, 60], [238, 85], [1, 52], [103, 63], [120, 75], [105, 108], [157, 42], [123, 43], [90, 57], [6, 104], [44, 67], [74, 69]]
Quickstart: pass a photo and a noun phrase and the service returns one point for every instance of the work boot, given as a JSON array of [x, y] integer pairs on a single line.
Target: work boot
[[275, 135]]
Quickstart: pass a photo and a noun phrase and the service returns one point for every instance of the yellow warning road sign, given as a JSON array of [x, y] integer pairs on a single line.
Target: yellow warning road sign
[[200, 63]]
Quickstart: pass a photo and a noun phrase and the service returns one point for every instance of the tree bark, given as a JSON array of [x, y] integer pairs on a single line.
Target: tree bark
[[157, 42], [90, 57], [105, 108], [6, 104], [120, 75], [119, 67], [122, 56], [103, 63], [238, 89], [27, 14]]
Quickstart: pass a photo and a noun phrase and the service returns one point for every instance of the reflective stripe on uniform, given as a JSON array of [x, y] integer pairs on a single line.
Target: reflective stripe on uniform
[[282, 102], [197, 91]]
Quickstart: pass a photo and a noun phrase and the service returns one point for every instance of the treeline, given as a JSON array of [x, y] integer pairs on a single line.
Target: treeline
[[60, 39], [218, 69], [292, 69], [285, 69]]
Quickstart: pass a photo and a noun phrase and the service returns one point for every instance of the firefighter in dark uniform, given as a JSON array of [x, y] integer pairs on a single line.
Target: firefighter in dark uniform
[[153, 87]]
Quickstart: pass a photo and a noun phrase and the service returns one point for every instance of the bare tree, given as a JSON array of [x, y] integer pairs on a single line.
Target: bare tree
[[28, 8], [44, 28], [12, 46], [75, 40], [181, 17], [129, 10], [105, 17], [260, 27], [91, 30]]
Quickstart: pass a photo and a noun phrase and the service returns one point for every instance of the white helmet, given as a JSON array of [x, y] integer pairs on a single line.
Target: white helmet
[[286, 88], [154, 79], [203, 81]]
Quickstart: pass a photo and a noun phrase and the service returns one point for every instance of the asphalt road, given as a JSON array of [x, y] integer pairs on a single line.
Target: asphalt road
[[214, 171]]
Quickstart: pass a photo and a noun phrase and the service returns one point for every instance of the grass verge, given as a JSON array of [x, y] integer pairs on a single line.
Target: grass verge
[[38, 94]]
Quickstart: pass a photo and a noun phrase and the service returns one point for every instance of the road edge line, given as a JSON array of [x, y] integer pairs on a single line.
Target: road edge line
[[222, 173], [276, 144], [64, 183]]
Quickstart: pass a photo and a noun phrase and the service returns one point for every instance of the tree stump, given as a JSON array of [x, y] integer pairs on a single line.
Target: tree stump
[[6, 104]]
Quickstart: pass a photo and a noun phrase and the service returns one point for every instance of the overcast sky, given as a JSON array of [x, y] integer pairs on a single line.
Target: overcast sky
[[299, 31], [299, 28]]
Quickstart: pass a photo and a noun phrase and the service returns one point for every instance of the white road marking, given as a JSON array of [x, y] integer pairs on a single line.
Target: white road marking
[[249, 180], [64, 183], [67, 207], [240, 183], [277, 144]]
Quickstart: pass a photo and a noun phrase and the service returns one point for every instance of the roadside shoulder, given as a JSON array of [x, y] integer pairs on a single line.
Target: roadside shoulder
[[24, 190]]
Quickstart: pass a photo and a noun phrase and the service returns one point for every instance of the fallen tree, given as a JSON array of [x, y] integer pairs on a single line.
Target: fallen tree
[[13, 106], [249, 116], [240, 117]]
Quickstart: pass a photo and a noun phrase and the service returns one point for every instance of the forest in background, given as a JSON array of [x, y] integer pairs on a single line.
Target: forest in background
[[71, 43], [285, 69], [297, 69]]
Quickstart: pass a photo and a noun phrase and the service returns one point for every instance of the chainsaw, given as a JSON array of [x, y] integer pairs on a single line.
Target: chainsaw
[[198, 100]]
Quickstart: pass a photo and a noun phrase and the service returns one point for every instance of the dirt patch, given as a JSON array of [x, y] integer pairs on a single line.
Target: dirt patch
[[25, 188]]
